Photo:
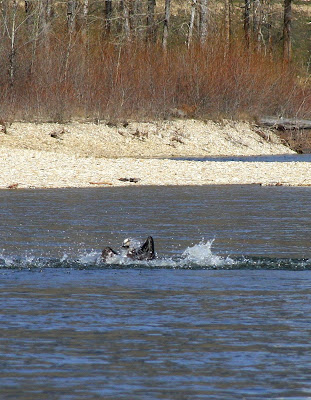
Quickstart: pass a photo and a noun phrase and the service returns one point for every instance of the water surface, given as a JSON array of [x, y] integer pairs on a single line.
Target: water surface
[[223, 313], [264, 158]]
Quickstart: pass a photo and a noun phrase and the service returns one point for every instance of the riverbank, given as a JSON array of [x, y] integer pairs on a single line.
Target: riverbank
[[95, 155]]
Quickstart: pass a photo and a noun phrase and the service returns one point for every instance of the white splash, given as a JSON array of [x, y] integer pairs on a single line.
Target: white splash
[[198, 255], [9, 261], [94, 257], [64, 258], [201, 254]]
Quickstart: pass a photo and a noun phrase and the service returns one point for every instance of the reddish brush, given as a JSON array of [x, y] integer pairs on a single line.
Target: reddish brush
[[140, 80]]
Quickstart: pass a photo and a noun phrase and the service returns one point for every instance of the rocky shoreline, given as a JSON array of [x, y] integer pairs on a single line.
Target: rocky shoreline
[[135, 154]]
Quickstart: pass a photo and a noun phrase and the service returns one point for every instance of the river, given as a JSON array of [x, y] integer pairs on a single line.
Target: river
[[222, 313]]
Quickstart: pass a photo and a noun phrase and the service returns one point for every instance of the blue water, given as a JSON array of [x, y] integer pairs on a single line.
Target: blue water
[[222, 313], [264, 158]]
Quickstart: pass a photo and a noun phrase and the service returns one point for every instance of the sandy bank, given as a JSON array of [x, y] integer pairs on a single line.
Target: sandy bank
[[90, 155], [151, 139]]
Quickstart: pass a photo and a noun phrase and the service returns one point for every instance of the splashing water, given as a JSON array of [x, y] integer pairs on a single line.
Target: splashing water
[[201, 255], [92, 258], [198, 256]]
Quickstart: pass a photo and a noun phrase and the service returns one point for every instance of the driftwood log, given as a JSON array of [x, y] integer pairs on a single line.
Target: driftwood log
[[284, 124], [294, 132]]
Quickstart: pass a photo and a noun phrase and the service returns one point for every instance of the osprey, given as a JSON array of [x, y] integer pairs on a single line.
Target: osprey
[[140, 253]]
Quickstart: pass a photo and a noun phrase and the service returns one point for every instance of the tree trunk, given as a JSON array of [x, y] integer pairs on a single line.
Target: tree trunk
[[38, 20], [203, 20], [257, 23], [71, 15], [191, 24], [247, 25], [4, 14], [126, 16], [108, 16], [150, 20], [71, 24], [85, 14], [166, 23], [12, 55], [85, 10], [33, 15], [285, 123], [228, 22], [47, 15], [29, 11], [269, 26], [137, 17], [287, 45]]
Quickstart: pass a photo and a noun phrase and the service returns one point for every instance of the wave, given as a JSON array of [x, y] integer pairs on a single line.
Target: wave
[[198, 256]]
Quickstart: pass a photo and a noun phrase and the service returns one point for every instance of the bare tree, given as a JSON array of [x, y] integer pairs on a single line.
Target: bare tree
[[4, 14], [138, 17], [257, 23], [166, 23], [71, 25], [287, 45], [85, 14], [203, 20], [85, 9], [12, 54], [150, 20], [71, 15], [191, 24], [228, 22], [38, 16], [108, 16], [32, 22], [126, 16], [247, 25], [47, 15], [29, 10]]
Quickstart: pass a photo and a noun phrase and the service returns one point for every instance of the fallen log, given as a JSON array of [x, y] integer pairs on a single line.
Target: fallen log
[[100, 183], [284, 124]]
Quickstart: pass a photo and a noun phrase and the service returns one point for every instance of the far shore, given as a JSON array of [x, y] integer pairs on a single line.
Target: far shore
[[137, 154]]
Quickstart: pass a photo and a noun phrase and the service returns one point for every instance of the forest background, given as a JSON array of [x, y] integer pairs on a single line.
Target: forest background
[[150, 59]]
